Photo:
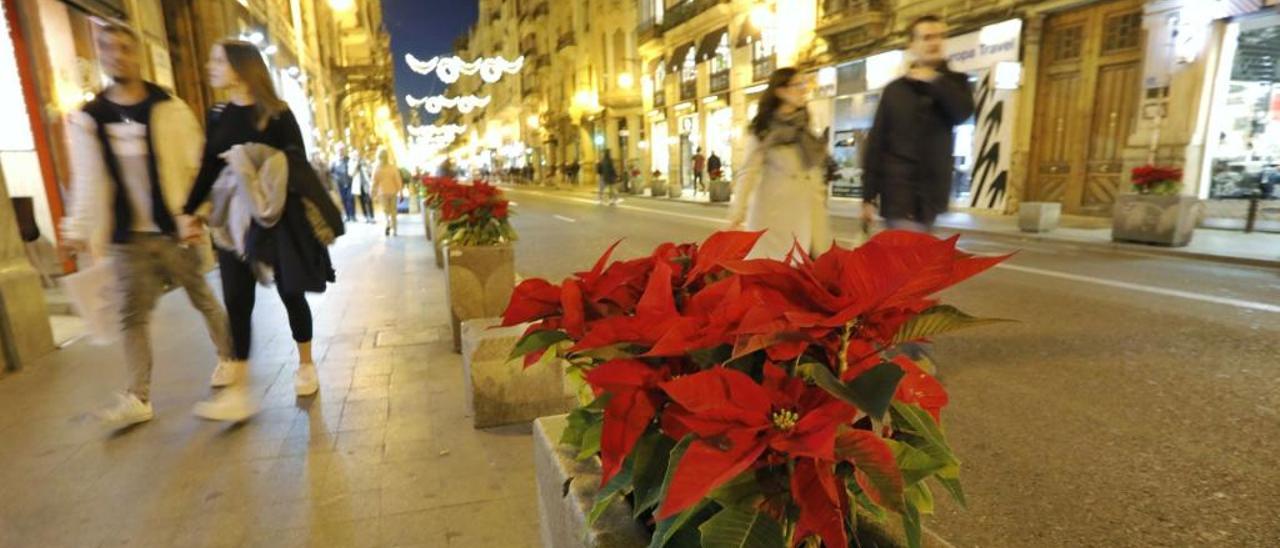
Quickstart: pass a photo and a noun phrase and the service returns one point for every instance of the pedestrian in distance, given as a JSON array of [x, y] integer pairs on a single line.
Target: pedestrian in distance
[[909, 158], [387, 185], [361, 186], [714, 164], [779, 187], [135, 151], [256, 115], [699, 168], [341, 175], [608, 174]]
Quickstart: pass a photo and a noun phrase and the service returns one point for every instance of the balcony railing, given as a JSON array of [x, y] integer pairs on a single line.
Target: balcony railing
[[688, 89], [678, 14], [542, 61], [659, 96], [648, 30], [720, 81], [565, 41], [833, 10]]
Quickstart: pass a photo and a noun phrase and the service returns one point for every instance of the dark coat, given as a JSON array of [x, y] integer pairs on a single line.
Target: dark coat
[[908, 162], [300, 260]]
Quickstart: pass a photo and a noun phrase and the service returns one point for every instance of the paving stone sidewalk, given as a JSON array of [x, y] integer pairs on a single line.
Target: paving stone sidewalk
[[385, 455]]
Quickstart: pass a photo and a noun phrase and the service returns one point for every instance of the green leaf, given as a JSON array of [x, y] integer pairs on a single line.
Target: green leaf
[[917, 422], [537, 340], [611, 492], [739, 528], [668, 527], [742, 491], [911, 526], [584, 428], [952, 485], [871, 392], [591, 441], [651, 455], [669, 530], [916, 465], [920, 497], [877, 512], [938, 320]]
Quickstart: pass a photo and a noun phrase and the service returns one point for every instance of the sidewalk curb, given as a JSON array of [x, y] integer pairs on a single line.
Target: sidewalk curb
[[1003, 235]]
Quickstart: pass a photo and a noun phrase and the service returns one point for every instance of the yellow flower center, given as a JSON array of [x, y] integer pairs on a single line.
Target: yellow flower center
[[785, 419]]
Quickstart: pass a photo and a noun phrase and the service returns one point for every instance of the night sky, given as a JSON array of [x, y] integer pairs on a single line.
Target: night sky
[[425, 28]]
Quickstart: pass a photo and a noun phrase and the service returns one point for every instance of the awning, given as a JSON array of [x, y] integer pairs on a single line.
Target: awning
[[711, 41], [677, 57], [748, 33]]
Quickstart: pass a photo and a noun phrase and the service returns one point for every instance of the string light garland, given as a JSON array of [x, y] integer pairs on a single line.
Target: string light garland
[[437, 103], [451, 131], [449, 69]]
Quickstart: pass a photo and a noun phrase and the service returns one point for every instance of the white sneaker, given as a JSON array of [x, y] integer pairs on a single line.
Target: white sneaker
[[127, 411], [227, 373], [230, 405], [306, 381]]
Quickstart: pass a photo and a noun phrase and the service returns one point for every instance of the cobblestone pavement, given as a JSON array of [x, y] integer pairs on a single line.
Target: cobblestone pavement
[[385, 455]]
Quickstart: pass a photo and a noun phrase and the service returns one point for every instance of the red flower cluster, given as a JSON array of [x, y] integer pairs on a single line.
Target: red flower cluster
[[475, 214], [757, 364], [1150, 175]]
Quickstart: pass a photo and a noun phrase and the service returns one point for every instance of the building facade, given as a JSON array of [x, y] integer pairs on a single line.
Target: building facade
[[330, 60]]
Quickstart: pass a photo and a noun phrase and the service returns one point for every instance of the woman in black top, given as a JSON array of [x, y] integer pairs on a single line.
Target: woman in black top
[[255, 114]]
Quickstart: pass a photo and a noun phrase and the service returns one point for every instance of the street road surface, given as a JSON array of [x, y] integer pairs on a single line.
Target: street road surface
[[1136, 402]]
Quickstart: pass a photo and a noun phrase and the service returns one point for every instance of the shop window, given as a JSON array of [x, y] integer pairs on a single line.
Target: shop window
[[660, 84], [689, 76], [1067, 43], [763, 59], [1122, 32]]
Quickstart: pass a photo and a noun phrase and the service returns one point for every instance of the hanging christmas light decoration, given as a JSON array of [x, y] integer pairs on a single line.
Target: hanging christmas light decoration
[[449, 69], [450, 131], [437, 103]]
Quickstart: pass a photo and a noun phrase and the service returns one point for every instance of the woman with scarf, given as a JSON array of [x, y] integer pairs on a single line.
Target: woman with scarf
[[780, 187]]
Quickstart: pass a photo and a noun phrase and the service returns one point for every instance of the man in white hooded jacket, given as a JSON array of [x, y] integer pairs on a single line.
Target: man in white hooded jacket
[[135, 152]]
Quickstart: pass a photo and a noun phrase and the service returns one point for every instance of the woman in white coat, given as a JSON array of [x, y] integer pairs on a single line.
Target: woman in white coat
[[780, 188]]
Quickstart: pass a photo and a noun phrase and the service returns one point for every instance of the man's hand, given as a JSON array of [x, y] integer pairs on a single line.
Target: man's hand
[[190, 228]]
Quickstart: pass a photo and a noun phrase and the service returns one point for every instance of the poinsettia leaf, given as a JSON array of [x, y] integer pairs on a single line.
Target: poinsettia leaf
[[579, 421], [921, 497], [706, 466], [916, 465], [815, 490], [937, 320], [928, 435], [911, 526], [538, 340], [720, 247], [739, 528], [871, 392], [681, 530], [611, 492], [877, 471], [877, 512], [743, 491], [952, 485], [591, 441], [651, 455]]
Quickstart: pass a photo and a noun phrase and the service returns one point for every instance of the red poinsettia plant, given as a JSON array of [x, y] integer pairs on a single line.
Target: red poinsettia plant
[[1151, 179], [474, 214], [777, 400]]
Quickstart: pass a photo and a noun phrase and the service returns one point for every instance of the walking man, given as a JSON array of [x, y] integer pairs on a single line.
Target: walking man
[[135, 152], [699, 166], [387, 185], [908, 162], [341, 175], [714, 164]]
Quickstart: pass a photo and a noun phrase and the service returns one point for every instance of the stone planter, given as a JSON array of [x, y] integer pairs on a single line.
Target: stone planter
[[674, 189], [721, 190], [657, 187], [479, 283], [1151, 219], [502, 391], [1039, 216], [567, 490]]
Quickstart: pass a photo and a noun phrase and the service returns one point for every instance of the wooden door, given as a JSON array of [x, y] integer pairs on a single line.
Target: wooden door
[[1086, 105]]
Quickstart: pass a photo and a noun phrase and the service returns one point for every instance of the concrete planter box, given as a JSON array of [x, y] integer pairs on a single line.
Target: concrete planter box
[[1039, 216], [479, 284], [566, 492], [721, 190], [502, 391], [657, 188], [1151, 219], [674, 190]]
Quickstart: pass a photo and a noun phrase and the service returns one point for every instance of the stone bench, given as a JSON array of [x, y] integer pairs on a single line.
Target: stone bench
[[501, 392]]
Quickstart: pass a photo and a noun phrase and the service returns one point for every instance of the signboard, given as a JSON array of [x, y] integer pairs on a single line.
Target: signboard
[[983, 49]]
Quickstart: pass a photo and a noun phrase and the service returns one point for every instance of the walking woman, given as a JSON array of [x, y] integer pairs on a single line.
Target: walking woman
[[779, 188], [255, 114], [386, 188]]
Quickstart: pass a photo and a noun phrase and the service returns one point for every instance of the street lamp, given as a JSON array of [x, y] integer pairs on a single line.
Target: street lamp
[[626, 80], [342, 5], [532, 121]]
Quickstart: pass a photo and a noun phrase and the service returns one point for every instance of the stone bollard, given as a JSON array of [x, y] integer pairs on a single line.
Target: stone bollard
[[502, 391], [567, 491], [1039, 216]]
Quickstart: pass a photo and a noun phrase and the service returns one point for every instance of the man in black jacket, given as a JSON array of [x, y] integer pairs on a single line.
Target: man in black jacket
[[908, 161]]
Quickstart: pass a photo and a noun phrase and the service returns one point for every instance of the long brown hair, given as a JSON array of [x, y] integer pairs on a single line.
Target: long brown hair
[[246, 60], [769, 100]]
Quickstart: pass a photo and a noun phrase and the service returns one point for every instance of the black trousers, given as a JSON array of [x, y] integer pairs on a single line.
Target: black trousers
[[239, 289], [366, 204]]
